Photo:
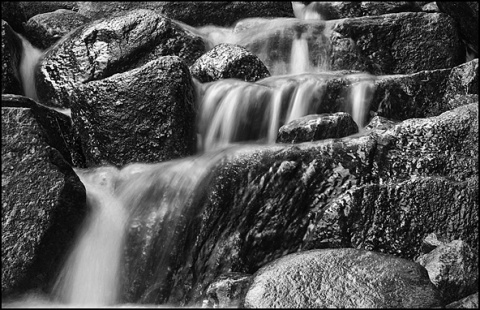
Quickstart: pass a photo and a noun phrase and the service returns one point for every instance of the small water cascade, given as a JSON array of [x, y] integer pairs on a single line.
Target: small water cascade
[[157, 201], [29, 59]]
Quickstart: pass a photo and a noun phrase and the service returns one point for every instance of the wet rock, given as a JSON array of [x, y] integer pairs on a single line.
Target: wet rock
[[11, 53], [228, 290], [453, 269], [228, 61], [43, 204], [393, 43], [317, 127], [108, 46], [431, 242], [341, 278], [380, 123], [43, 30], [143, 115], [466, 15], [57, 127], [470, 302]]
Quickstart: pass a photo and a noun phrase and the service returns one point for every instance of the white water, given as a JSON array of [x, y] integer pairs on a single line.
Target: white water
[[361, 95], [29, 60]]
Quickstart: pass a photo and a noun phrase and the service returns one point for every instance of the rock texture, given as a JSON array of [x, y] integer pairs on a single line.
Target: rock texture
[[466, 15], [109, 46], [57, 127], [228, 290], [228, 61], [317, 127], [453, 269], [43, 30], [143, 115], [11, 53], [470, 302], [323, 279], [43, 203]]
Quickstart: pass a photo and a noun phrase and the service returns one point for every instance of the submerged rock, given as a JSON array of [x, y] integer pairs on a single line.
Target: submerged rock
[[43, 204], [143, 115], [341, 278], [43, 30], [11, 54], [317, 127], [228, 61], [453, 269], [108, 46]]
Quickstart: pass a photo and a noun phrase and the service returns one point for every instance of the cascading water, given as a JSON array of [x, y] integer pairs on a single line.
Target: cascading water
[[150, 205]]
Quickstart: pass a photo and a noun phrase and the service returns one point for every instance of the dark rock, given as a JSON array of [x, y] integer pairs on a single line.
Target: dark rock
[[228, 290], [43, 204], [143, 115], [228, 61], [341, 278], [57, 127], [108, 46], [317, 127], [11, 55], [43, 30], [466, 15], [453, 269], [470, 302]]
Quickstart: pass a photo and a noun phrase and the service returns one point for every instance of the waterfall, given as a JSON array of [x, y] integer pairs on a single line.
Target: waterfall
[[361, 94], [28, 62]]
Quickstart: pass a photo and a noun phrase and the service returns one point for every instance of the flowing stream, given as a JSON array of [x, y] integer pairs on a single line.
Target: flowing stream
[[153, 199]]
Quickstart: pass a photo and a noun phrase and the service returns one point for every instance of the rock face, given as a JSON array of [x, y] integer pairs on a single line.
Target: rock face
[[324, 279], [228, 61], [453, 269], [11, 53], [109, 46], [466, 15], [143, 115], [57, 126], [317, 127], [43, 203], [43, 30]]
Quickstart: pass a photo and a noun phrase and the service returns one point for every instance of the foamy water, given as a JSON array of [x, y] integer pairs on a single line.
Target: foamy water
[[29, 60]]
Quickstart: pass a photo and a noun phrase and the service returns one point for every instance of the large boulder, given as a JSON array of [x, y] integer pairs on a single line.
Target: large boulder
[[57, 126], [228, 61], [317, 127], [466, 15], [11, 55], [112, 45], [342, 278], [453, 269], [43, 204], [43, 30], [143, 115]]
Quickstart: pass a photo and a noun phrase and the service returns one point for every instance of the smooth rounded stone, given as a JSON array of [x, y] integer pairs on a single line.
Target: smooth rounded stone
[[317, 127], [57, 127], [341, 278], [228, 290], [43, 30], [380, 123], [466, 15], [43, 204], [143, 115], [453, 269], [108, 46], [470, 302], [228, 61], [11, 53]]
